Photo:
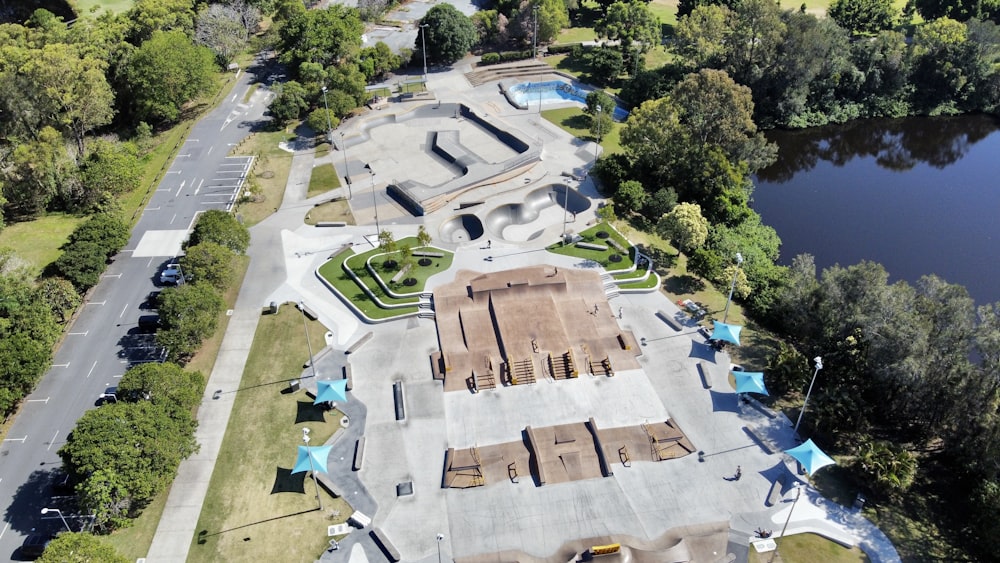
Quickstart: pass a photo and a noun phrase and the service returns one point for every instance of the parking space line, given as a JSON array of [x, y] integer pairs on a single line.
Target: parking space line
[[92, 369], [52, 441]]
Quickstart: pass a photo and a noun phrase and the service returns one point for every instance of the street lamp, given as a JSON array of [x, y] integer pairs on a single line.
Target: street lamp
[[312, 364], [798, 493], [732, 286], [597, 146], [329, 124], [347, 171], [423, 44], [305, 438], [819, 366], [439, 538], [371, 174], [534, 34], [61, 517]]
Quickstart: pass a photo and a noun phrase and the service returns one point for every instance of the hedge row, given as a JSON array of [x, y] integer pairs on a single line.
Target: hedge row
[[503, 57], [85, 255]]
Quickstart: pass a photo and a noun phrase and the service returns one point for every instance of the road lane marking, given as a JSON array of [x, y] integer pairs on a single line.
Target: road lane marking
[[92, 369], [66, 365], [125, 308], [53, 441], [5, 526], [111, 275], [45, 400], [84, 333], [198, 189], [96, 302], [16, 439], [180, 188], [172, 219], [210, 150]]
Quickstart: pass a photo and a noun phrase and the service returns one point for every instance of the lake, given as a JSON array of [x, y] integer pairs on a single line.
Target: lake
[[918, 195]]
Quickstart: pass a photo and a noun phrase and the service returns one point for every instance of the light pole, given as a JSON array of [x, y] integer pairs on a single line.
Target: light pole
[[798, 493], [439, 538], [329, 124], [305, 438], [819, 366], [423, 44], [598, 145], [732, 286], [347, 172], [371, 174], [534, 33], [312, 364], [61, 517]]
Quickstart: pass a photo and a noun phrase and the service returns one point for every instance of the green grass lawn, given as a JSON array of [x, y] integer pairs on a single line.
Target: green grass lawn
[[601, 257], [255, 510], [809, 548], [334, 273], [417, 272], [270, 173], [88, 7], [323, 179], [576, 123], [337, 210], [576, 35], [38, 241]]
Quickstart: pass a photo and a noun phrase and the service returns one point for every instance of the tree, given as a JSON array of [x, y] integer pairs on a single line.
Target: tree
[[450, 34], [326, 36], [110, 169], [553, 17], [28, 330], [423, 237], [105, 229], [864, 16], [752, 45], [632, 23], [700, 36], [209, 263], [222, 228], [386, 242], [290, 102], [378, 61], [685, 226], [80, 548], [716, 110], [322, 121], [167, 385], [73, 88], [164, 73], [82, 264], [892, 467], [630, 197], [226, 28], [130, 451], [189, 314], [37, 172], [606, 63], [150, 16], [60, 295]]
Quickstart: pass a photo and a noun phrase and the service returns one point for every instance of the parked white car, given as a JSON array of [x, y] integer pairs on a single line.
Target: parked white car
[[171, 275]]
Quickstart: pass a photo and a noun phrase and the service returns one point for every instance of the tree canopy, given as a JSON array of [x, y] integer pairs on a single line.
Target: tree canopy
[[164, 73], [449, 34]]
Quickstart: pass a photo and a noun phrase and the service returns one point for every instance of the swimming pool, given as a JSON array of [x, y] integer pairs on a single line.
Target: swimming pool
[[528, 94]]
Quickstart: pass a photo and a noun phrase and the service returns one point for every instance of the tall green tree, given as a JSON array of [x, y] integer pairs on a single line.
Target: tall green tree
[[326, 36], [864, 16], [222, 228], [109, 170], [226, 28], [684, 226], [80, 548], [166, 72], [632, 23], [189, 314], [167, 385], [131, 452], [209, 263], [449, 34]]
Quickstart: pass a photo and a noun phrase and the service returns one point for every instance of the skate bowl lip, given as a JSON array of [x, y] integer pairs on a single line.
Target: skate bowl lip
[[528, 210]]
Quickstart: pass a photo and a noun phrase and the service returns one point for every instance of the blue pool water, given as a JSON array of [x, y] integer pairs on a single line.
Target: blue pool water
[[553, 92]]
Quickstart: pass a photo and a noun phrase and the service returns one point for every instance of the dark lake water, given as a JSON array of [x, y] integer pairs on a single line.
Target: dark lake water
[[919, 195]]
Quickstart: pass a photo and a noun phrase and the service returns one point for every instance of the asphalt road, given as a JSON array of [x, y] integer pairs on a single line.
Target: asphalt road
[[105, 339]]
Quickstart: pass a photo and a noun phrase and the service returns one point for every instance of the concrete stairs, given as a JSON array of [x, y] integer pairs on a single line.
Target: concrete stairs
[[518, 69]]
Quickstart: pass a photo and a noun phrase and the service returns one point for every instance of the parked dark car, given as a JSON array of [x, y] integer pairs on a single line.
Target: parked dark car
[[34, 545], [149, 323]]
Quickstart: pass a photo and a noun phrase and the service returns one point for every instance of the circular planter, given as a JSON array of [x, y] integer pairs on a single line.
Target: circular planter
[[389, 265], [410, 282], [615, 258], [345, 422], [424, 262], [602, 234]]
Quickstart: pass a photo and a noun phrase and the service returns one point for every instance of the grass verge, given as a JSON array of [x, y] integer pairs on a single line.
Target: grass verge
[[38, 241], [323, 179], [333, 272], [270, 173], [602, 257], [97, 7], [573, 121], [255, 509], [337, 210], [807, 548]]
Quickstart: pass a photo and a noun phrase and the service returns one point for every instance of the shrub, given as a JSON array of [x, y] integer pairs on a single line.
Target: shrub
[[490, 59]]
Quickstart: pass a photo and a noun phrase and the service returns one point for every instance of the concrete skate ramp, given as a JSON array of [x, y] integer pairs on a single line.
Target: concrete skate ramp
[[528, 211], [461, 228]]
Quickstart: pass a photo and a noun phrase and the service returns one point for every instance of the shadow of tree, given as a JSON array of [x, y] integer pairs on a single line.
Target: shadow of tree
[[683, 284]]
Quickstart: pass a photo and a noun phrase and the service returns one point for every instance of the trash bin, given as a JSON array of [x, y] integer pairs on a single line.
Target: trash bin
[[859, 502], [273, 309], [293, 385]]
